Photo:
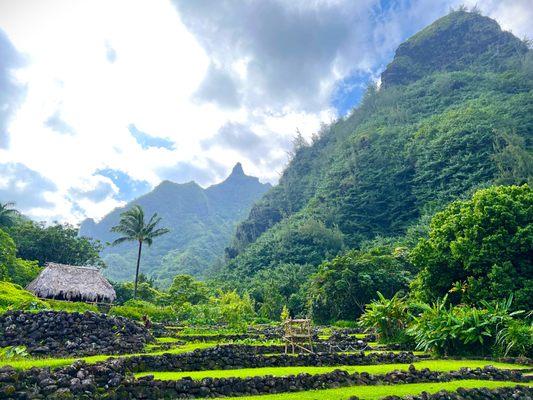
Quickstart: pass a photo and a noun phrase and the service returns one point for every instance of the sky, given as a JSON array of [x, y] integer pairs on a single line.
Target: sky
[[101, 100]]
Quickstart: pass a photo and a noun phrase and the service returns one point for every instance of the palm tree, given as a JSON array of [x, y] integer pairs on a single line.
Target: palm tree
[[133, 227], [7, 214]]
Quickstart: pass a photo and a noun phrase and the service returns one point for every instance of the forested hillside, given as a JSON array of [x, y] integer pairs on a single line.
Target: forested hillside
[[452, 115], [201, 222]]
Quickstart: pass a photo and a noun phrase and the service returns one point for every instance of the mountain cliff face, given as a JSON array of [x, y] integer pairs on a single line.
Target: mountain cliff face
[[453, 114], [201, 223]]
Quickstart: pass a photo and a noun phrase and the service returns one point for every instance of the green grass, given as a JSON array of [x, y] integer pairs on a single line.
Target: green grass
[[378, 392], [434, 365], [71, 306], [203, 334], [166, 340], [27, 363], [14, 297], [210, 331], [416, 353], [51, 362]]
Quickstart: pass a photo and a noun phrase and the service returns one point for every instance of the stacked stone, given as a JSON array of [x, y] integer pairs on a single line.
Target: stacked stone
[[239, 356], [65, 334], [505, 393]]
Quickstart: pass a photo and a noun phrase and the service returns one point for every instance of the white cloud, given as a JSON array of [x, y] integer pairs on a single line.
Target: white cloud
[[183, 71]]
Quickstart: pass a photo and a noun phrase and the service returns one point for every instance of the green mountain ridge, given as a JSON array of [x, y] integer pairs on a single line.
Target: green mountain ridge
[[453, 114], [201, 222]]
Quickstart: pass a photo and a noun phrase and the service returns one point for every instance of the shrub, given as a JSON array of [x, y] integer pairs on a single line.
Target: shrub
[[13, 353], [388, 318], [285, 314], [185, 289], [343, 323], [136, 309], [235, 310], [341, 287], [71, 306], [461, 330], [12, 268], [226, 308], [516, 339], [145, 291]]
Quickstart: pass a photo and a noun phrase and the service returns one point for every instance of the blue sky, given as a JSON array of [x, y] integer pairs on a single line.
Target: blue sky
[[146, 141], [349, 91], [100, 100]]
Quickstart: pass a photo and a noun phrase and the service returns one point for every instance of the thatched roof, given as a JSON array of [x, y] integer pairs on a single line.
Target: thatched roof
[[68, 282]]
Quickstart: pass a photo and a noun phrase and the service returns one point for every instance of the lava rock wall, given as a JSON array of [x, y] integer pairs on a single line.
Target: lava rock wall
[[59, 333]]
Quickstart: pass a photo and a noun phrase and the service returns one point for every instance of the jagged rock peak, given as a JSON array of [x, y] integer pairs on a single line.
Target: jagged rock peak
[[237, 170]]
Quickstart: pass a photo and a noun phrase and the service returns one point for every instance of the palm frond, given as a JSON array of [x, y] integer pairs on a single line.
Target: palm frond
[[133, 226], [121, 240], [159, 232]]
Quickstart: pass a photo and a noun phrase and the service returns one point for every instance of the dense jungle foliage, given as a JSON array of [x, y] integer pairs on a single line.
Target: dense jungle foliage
[[26, 246]]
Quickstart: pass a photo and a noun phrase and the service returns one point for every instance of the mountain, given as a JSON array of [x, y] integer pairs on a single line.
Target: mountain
[[201, 223], [453, 114]]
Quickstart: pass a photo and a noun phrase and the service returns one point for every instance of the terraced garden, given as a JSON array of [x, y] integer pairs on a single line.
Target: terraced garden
[[433, 365], [216, 364]]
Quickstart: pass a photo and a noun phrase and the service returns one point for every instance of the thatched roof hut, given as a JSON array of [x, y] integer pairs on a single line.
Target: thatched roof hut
[[73, 283]]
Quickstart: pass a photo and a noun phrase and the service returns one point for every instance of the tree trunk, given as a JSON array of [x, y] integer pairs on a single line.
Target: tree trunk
[[137, 270]]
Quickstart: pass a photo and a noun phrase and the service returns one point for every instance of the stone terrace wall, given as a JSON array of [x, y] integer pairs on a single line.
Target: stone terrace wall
[[514, 393], [67, 334], [240, 356]]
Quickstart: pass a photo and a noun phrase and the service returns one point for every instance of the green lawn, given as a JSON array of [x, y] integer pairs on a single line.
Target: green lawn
[[378, 392], [27, 363], [416, 353], [434, 365], [166, 340]]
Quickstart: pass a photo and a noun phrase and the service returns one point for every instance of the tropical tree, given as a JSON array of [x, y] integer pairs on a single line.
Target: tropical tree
[[185, 288], [12, 268], [341, 287], [479, 249], [134, 228], [7, 214], [58, 243]]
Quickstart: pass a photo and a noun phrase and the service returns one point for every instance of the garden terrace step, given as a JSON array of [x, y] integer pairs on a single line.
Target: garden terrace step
[[217, 337], [440, 366], [209, 387], [238, 356]]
